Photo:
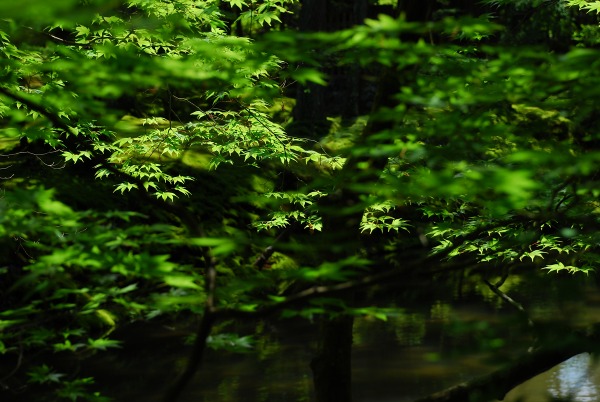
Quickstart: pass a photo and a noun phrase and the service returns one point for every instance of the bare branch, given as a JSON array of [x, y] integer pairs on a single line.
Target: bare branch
[[52, 117], [510, 301]]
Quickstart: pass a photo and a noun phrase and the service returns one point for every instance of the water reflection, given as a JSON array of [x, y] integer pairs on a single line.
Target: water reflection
[[575, 380], [572, 380], [423, 347]]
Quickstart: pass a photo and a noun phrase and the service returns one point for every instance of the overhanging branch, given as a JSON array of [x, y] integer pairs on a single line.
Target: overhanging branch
[[498, 383], [52, 117], [509, 300]]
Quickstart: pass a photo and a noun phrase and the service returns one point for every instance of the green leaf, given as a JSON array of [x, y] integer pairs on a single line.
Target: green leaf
[[181, 281], [106, 317], [46, 202], [230, 342], [103, 343], [533, 254], [237, 3], [165, 195], [306, 75], [44, 374], [125, 187], [220, 246], [559, 266]]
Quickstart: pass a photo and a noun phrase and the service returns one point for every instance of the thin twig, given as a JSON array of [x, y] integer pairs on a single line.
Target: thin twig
[[15, 369], [204, 329], [52, 117], [262, 259], [510, 301]]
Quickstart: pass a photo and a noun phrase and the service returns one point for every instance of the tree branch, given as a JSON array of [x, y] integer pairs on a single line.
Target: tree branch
[[498, 383], [194, 228], [204, 329], [52, 117], [510, 301]]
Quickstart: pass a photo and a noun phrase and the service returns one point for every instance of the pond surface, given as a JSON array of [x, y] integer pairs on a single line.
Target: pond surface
[[576, 380], [421, 349]]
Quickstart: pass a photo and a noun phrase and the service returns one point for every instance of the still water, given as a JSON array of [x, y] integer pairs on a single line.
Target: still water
[[420, 349], [576, 380]]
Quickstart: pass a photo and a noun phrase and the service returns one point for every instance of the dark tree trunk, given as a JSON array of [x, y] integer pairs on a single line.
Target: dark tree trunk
[[417, 10], [332, 367], [342, 210], [343, 94]]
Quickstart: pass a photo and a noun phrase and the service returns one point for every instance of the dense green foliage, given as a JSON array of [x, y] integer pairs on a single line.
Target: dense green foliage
[[147, 166]]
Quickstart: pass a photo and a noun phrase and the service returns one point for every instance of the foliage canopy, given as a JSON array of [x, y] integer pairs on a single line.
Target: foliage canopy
[[149, 164]]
